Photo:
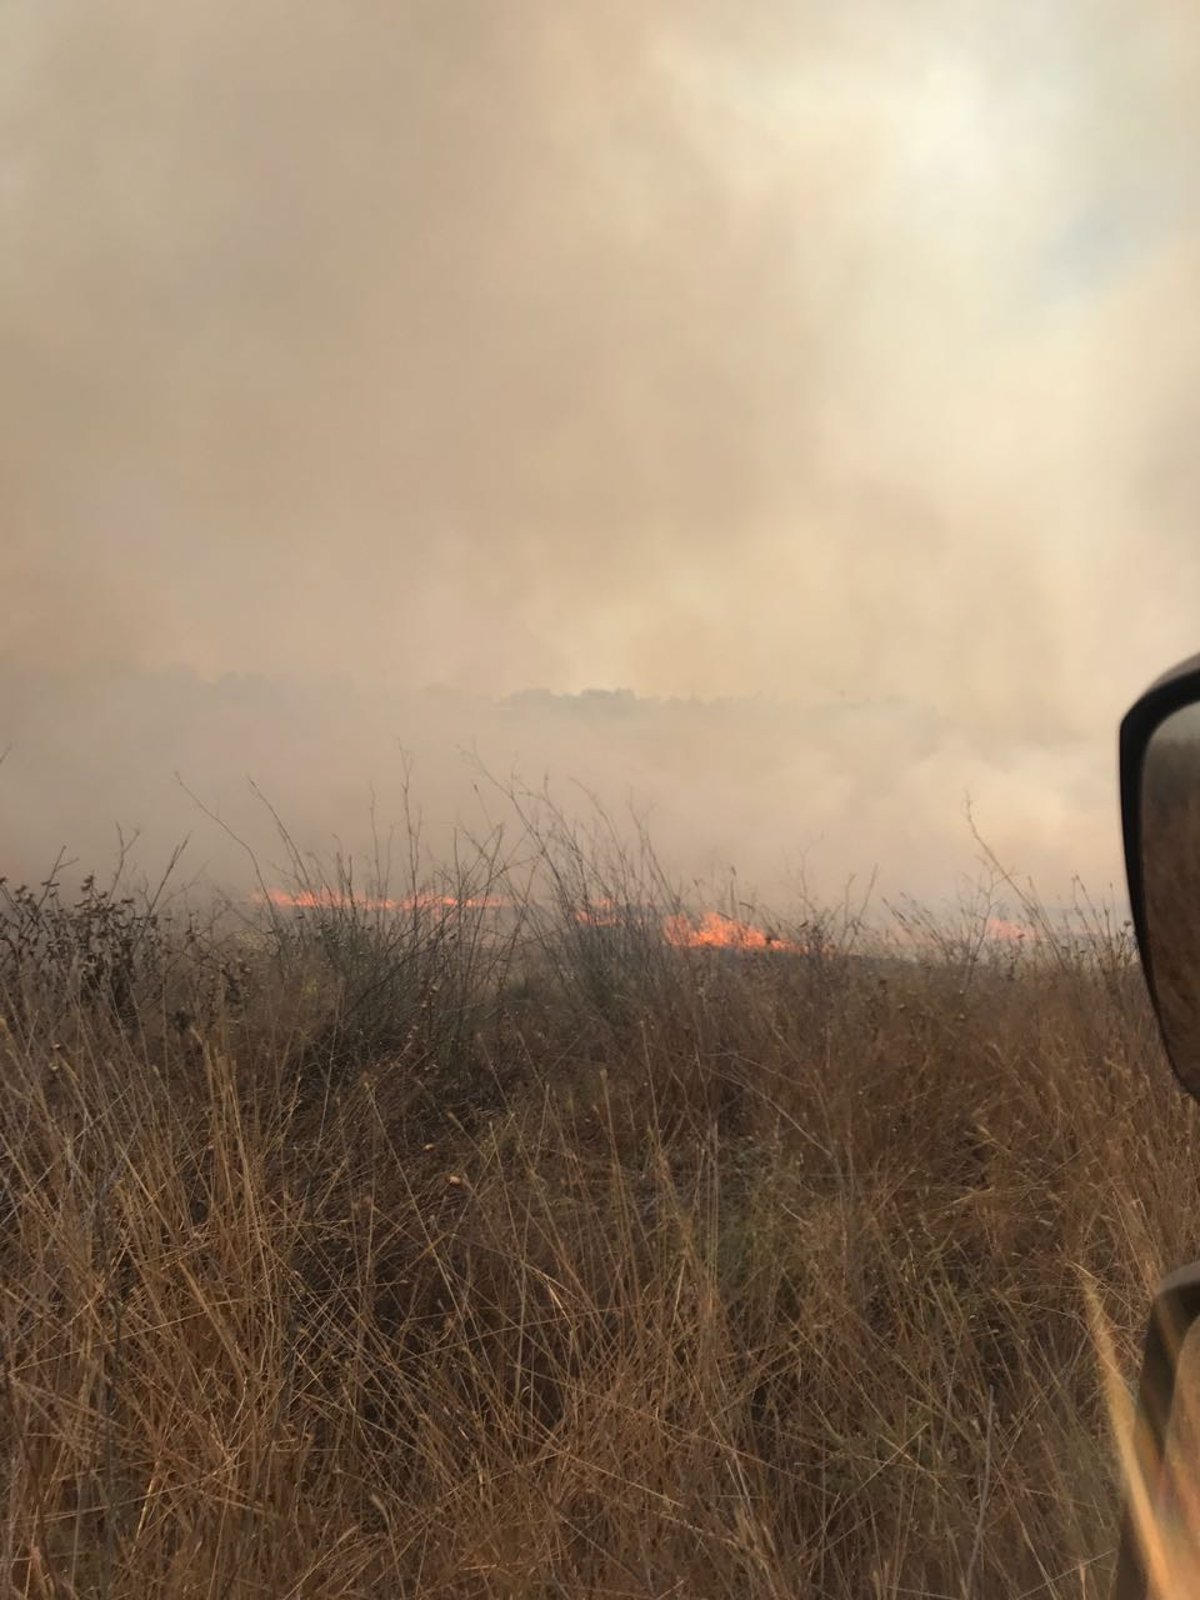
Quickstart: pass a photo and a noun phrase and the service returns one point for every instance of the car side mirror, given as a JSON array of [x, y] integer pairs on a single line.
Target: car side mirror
[[1160, 803], [1160, 816]]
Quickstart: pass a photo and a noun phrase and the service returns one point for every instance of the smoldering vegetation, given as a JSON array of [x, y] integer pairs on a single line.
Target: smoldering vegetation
[[488, 1233]]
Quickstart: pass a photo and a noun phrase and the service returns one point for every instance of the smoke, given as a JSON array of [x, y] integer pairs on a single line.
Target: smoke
[[778, 799], [791, 350]]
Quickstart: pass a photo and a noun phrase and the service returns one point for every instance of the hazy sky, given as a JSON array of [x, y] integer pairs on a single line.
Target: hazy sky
[[707, 348]]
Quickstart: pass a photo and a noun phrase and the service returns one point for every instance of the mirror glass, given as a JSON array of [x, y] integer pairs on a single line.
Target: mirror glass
[[1170, 845]]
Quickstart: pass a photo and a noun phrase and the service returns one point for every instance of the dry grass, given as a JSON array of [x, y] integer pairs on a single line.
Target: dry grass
[[430, 1252]]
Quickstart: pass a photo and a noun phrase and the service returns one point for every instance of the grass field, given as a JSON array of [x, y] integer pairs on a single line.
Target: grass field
[[436, 1249]]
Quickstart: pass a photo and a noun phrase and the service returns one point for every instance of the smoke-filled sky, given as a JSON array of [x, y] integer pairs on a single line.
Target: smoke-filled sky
[[837, 353]]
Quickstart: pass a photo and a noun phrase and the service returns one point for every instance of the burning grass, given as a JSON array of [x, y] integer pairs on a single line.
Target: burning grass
[[468, 1246]]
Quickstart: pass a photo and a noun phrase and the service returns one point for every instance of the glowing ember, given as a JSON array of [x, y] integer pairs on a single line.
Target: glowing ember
[[598, 914], [316, 899], [996, 930], [717, 932], [712, 931], [1000, 928]]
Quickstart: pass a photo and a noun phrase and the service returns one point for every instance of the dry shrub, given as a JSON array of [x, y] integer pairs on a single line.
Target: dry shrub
[[531, 1256]]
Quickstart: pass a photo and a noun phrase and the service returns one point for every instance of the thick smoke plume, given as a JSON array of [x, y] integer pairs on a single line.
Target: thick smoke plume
[[841, 355]]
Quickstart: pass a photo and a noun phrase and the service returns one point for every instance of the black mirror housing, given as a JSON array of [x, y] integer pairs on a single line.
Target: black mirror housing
[[1168, 971], [1160, 793]]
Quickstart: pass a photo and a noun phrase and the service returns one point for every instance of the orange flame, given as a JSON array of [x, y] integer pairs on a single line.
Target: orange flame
[[717, 932], [713, 930]]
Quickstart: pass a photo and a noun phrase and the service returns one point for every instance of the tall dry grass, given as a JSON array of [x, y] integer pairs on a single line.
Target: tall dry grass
[[441, 1251]]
